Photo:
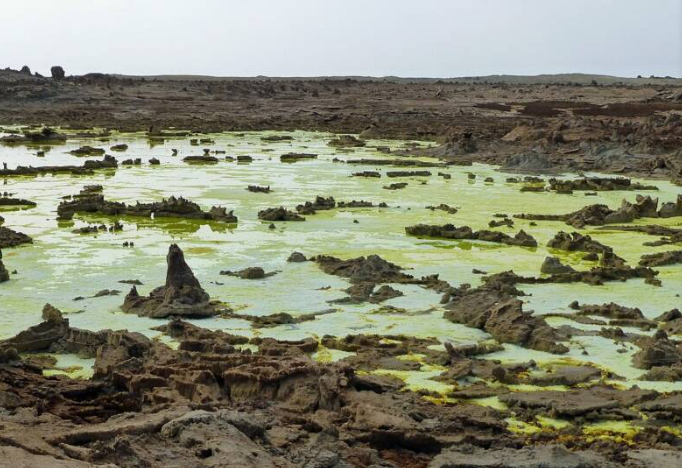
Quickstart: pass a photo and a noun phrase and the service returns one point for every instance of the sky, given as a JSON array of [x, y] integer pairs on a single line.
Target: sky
[[416, 38]]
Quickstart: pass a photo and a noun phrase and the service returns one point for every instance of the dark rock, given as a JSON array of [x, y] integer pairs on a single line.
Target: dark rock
[[346, 141], [4, 274], [88, 167], [295, 157], [320, 203], [297, 257], [577, 242], [661, 259], [181, 296], [372, 174], [408, 174], [553, 266], [656, 352], [596, 184], [371, 269], [172, 207], [10, 238], [544, 456], [279, 214], [449, 231], [503, 317], [57, 73], [258, 189], [200, 159], [443, 207], [249, 273], [87, 151]]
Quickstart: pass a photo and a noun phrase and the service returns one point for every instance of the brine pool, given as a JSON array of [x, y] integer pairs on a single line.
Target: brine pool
[[61, 265]]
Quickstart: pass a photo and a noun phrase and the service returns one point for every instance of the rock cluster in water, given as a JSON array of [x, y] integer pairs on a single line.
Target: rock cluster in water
[[599, 215], [88, 167], [450, 231], [596, 184], [94, 202], [11, 238]]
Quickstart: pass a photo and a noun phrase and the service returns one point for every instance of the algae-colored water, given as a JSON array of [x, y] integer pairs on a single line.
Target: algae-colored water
[[61, 265]]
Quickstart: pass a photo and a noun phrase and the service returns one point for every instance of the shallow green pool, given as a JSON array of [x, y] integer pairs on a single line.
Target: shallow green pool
[[61, 265]]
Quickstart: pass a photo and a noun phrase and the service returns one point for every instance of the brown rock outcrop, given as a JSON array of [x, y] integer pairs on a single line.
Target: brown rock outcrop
[[181, 296]]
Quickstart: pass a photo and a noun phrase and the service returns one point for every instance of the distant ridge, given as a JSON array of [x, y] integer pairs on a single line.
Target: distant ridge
[[561, 78]]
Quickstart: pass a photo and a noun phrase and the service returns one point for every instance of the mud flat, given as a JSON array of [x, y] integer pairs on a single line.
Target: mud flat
[[421, 327]]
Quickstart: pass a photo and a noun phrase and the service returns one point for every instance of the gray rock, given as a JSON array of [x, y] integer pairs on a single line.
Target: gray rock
[[550, 456]]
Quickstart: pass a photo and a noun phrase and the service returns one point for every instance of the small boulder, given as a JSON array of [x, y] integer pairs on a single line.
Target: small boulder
[[553, 266]]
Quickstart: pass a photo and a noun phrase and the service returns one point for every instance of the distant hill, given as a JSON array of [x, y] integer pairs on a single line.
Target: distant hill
[[564, 78]]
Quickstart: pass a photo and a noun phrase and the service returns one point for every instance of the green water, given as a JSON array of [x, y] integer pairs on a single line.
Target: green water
[[61, 265]]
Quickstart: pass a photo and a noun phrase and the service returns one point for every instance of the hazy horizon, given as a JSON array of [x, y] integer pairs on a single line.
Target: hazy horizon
[[429, 38]]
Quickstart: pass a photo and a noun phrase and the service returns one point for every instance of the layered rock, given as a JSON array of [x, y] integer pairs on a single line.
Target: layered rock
[[577, 242], [4, 274], [258, 189], [10, 238], [408, 174], [89, 202], [88, 151], [553, 266], [88, 167], [47, 136], [249, 273], [372, 269], [294, 157], [181, 296], [661, 259], [346, 141], [320, 203], [204, 159], [503, 317], [449, 231], [657, 351], [597, 184], [279, 214], [599, 215]]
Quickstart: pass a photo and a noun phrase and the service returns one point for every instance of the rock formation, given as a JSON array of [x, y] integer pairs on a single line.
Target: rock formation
[[449, 231], [181, 296], [11, 238], [4, 274], [57, 73], [88, 202]]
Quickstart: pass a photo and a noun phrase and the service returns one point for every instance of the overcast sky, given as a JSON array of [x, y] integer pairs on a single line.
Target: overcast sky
[[434, 38]]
